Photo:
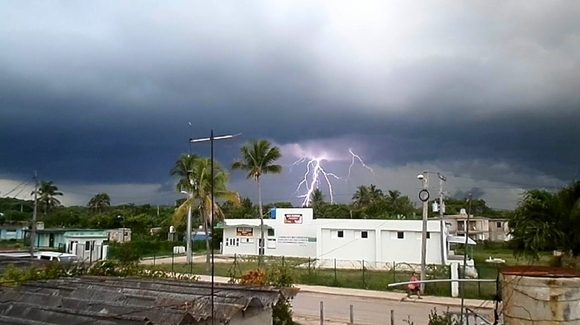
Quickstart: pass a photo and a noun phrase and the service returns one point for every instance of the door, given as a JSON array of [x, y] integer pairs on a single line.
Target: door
[[51, 240]]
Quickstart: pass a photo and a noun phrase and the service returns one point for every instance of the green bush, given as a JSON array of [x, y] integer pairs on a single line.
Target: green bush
[[136, 249]]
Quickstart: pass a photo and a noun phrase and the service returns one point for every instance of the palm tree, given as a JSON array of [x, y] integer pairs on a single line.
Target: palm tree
[[316, 198], [376, 194], [182, 168], [46, 193], [100, 202], [362, 197], [197, 181], [257, 158]]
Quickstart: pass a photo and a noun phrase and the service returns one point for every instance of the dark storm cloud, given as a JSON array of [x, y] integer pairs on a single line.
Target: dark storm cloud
[[103, 93]]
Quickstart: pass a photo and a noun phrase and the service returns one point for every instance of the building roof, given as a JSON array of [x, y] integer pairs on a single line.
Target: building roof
[[49, 230], [382, 224], [242, 223], [358, 224], [108, 300]]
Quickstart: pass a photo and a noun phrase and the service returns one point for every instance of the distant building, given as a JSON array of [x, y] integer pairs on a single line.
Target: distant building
[[12, 231], [119, 235], [295, 232], [87, 244], [480, 228]]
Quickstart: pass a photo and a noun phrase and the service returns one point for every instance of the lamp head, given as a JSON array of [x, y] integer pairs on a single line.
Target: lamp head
[[420, 177]]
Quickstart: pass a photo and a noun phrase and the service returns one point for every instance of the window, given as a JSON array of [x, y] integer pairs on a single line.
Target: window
[[498, 224], [270, 232], [87, 245], [428, 235], [340, 234], [400, 235], [364, 234]]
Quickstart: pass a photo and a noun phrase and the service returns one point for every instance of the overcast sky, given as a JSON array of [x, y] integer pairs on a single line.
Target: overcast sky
[[98, 96]]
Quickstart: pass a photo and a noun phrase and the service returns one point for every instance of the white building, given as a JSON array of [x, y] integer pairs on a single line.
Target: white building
[[289, 232], [294, 232]]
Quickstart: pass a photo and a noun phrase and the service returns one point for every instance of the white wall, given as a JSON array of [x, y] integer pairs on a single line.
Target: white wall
[[350, 247], [294, 234], [408, 248]]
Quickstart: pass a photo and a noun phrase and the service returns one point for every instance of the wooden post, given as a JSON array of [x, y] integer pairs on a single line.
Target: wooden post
[[392, 317], [351, 315], [321, 313]]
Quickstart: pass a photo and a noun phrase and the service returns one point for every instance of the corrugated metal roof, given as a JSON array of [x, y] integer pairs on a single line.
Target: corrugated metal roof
[[106, 300]]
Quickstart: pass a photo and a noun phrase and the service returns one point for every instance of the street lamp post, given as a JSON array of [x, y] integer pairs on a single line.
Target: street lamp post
[[211, 139]]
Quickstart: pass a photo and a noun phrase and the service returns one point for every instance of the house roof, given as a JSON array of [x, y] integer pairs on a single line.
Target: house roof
[[107, 300], [241, 223]]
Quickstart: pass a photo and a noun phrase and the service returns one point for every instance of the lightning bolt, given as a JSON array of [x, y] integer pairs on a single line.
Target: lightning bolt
[[316, 173], [354, 158]]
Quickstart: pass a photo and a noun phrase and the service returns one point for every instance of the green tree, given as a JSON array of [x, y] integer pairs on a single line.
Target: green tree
[[198, 182], [100, 202], [362, 197], [46, 196], [258, 158], [545, 221]]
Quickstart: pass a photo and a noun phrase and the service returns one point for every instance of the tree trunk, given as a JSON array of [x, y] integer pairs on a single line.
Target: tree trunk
[[262, 243], [207, 245]]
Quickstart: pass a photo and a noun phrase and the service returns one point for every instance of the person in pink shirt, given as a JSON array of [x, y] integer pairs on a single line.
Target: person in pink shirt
[[414, 287]]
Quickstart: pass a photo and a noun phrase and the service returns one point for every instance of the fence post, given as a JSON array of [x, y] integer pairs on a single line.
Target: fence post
[[172, 257], [308, 264], [478, 289], [90, 253], [154, 259], [191, 265], [351, 315], [321, 313], [363, 273], [392, 317], [394, 272], [335, 278], [282, 261]]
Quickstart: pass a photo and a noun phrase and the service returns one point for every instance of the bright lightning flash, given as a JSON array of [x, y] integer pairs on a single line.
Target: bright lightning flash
[[315, 174]]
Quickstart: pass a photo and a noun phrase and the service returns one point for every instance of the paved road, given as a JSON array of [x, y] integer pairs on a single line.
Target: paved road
[[306, 305]]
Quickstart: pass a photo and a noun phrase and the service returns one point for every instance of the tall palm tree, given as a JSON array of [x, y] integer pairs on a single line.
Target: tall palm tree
[[47, 193], [362, 197], [197, 181], [100, 202], [258, 158]]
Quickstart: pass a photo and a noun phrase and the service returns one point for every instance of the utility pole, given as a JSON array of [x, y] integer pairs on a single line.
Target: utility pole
[[441, 212], [465, 258], [424, 197], [34, 213]]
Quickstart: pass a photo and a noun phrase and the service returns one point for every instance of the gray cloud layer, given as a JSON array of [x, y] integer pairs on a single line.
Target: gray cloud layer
[[101, 93]]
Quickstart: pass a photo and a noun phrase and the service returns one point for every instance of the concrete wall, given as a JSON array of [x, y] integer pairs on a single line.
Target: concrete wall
[[540, 300], [8, 234], [351, 246], [408, 248]]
